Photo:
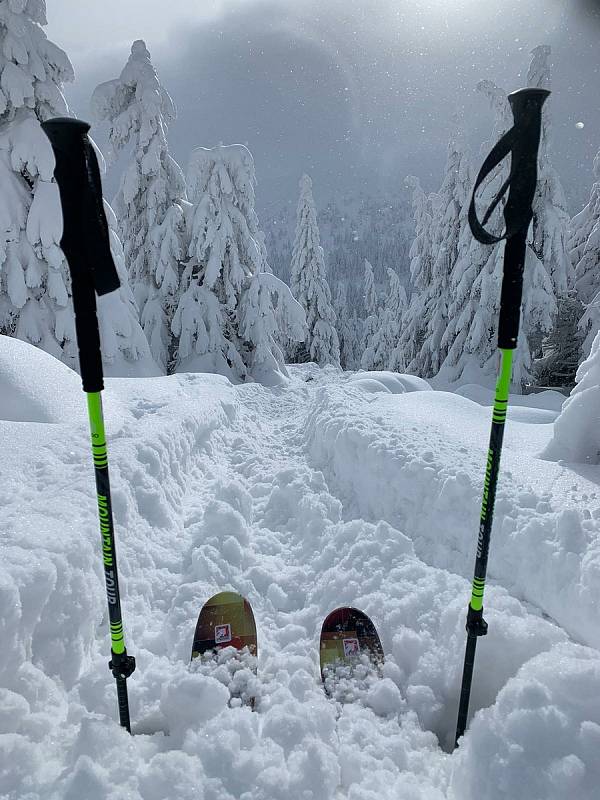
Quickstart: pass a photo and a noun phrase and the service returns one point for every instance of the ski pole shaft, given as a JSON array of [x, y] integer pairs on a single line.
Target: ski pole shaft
[[85, 243], [522, 142], [476, 625]]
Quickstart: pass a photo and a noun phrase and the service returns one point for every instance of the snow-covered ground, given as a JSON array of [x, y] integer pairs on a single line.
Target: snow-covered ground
[[332, 490]]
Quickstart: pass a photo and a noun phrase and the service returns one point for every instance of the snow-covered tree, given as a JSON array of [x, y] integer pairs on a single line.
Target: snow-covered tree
[[151, 198], [562, 348], [34, 283], [476, 281], [577, 427], [584, 242], [584, 248], [589, 324], [348, 328], [450, 237], [421, 271], [125, 349], [35, 302], [232, 310], [550, 215], [550, 232], [309, 282], [371, 322], [385, 344]]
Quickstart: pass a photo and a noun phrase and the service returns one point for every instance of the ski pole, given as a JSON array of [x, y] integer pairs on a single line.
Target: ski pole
[[86, 245], [522, 142]]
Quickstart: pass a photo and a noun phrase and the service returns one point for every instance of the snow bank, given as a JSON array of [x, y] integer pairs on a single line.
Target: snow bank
[[417, 460], [549, 399], [388, 382], [35, 386], [577, 429], [540, 739]]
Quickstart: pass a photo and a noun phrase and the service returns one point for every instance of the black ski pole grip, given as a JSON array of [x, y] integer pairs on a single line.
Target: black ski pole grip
[[522, 141], [85, 240]]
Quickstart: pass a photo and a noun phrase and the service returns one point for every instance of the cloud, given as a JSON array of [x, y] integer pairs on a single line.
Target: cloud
[[357, 94]]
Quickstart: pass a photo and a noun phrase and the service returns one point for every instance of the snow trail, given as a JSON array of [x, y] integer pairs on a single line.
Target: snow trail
[[246, 488]]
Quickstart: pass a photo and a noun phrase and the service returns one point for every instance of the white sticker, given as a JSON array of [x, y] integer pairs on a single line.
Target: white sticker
[[222, 634], [351, 647]]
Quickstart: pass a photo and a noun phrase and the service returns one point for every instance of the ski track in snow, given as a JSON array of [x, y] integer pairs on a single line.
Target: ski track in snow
[[302, 499]]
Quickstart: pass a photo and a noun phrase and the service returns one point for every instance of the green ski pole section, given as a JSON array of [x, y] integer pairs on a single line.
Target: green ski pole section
[[491, 473], [109, 555], [476, 625]]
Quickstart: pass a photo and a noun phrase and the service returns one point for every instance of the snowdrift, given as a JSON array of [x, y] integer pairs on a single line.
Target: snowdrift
[[35, 387], [417, 460]]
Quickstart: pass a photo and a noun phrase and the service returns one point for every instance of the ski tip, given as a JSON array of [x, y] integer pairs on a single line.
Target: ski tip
[[225, 620], [346, 634]]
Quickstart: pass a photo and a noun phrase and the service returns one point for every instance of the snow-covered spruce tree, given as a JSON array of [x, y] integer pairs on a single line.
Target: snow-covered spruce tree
[[309, 283], [387, 352], [421, 271], [151, 199], [232, 310], [550, 215], [584, 248], [475, 288], [584, 242], [34, 284], [577, 428], [35, 302], [371, 322], [348, 328], [125, 349], [550, 235], [562, 348], [589, 324], [450, 238]]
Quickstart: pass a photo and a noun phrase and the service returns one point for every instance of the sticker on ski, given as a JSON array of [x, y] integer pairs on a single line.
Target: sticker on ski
[[225, 646], [351, 655]]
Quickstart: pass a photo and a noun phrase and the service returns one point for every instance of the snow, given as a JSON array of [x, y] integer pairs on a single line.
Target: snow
[[303, 498], [577, 428], [35, 388], [542, 407], [392, 382], [526, 740]]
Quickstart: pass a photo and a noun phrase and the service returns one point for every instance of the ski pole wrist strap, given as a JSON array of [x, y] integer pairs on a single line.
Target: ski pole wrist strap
[[522, 142], [85, 240]]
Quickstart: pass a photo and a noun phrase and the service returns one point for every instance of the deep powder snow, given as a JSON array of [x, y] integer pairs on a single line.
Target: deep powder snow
[[328, 491]]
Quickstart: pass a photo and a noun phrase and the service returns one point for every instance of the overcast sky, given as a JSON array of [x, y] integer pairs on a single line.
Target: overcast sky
[[358, 94]]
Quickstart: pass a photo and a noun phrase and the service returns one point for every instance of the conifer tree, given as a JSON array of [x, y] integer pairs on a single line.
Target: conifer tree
[[232, 310], [584, 248], [450, 236], [371, 322], [387, 354], [563, 346], [550, 215], [151, 199], [347, 327], [35, 303], [584, 242], [34, 293], [309, 282], [421, 271], [589, 324]]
